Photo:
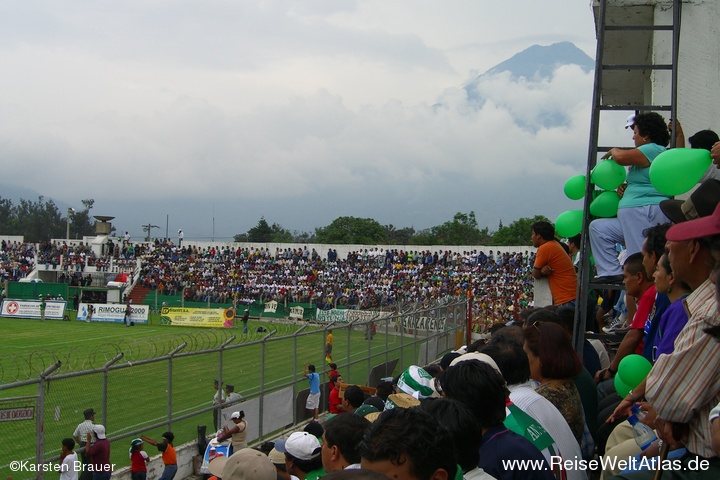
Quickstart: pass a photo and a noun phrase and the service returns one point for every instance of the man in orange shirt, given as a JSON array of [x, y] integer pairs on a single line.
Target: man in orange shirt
[[169, 456], [554, 263]]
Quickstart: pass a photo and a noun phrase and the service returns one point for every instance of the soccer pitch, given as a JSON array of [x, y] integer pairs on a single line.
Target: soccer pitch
[[137, 396]]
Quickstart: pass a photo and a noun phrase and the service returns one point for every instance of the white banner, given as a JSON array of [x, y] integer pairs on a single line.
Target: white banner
[[54, 309], [296, 312], [423, 323], [113, 312], [271, 307]]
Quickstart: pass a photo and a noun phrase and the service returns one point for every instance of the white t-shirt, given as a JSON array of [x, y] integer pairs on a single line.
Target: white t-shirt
[[67, 468]]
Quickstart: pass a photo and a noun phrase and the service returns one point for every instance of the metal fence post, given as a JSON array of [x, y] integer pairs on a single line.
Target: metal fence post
[[218, 407], [169, 390], [105, 385], [40, 419], [262, 381]]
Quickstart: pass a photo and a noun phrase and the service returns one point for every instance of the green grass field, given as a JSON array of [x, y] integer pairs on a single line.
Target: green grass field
[[137, 396]]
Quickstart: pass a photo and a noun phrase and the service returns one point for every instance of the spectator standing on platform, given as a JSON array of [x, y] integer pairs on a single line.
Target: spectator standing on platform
[[68, 460], [80, 435], [99, 453], [313, 400], [553, 263], [169, 456]]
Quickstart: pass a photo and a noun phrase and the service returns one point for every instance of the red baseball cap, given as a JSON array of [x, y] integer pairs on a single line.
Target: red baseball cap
[[697, 228]]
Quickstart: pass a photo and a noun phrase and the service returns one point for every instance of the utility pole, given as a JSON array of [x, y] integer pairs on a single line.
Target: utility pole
[[148, 228]]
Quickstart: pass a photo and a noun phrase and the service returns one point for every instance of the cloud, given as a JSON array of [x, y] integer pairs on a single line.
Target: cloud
[[299, 111]]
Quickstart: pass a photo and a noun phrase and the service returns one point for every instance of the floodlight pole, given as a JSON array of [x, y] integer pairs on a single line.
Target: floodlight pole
[[67, 229]]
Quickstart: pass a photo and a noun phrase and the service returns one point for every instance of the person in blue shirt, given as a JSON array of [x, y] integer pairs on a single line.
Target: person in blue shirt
[[313, 400]]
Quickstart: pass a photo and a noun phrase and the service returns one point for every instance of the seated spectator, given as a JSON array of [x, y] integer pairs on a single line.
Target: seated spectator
[[341, 438], [302, 453], [408, 443], [553, 363], [464, 430], [507, 351], [481, 388], [353, 398]]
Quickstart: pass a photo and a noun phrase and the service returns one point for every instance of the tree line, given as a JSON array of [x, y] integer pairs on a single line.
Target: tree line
[[461, 230], [41, 220]]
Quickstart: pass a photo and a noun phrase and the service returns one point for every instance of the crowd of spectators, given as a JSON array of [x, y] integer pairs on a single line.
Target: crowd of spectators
[[369, 278], [17, 259]]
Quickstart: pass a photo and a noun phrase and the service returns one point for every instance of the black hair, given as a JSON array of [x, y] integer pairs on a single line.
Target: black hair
[[354, 395], [169, 436], [510, 358], [333, 366], [653, 126], [346, 431], [655, 240], [311, 368], [242, 414], [314, 429], [575, 240], [306, 465], [384, 390], [704, 139], [464, 428], [447, 359], [433, 369], [479, 387], [410, 435], [477, 344], [544, 229], [355, 474], [566, 318], [69, 443], [633, 264], [542, 315]]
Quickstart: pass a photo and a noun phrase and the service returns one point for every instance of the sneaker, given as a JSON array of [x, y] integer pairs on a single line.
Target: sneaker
[[615, 325]]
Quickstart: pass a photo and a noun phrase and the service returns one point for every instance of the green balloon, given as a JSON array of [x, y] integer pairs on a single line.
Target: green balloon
[[620, 387], [608, 175], [575, 187], [677, 170], [569, 224], [605, 205], [633, 369]]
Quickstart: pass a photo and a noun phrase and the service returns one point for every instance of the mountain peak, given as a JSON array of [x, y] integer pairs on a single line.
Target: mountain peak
[[541, 61]]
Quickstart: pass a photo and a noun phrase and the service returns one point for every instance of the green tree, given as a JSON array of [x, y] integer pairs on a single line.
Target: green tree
[[351, 230], [518, 232], [39, 221], [261, 233], [280, 235], [461, 230], [402, 236], [8, 219], [81, 223]]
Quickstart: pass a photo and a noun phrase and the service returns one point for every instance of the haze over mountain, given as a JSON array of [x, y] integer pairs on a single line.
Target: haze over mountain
[[531, 68]]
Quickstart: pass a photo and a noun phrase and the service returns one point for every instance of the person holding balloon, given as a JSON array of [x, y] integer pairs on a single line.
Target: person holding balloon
[[639, 206]]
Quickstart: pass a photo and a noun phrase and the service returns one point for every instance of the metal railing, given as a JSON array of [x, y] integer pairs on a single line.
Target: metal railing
[[162, 384]]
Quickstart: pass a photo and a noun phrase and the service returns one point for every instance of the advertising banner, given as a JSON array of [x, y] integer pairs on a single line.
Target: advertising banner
[[54, 309], [115, 312], [197, 317]]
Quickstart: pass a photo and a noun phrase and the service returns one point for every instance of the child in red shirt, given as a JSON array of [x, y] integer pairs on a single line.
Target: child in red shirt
[[138, 460]]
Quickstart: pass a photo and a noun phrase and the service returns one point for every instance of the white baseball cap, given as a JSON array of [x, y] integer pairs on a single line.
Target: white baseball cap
[[630, 121], [301, 445]]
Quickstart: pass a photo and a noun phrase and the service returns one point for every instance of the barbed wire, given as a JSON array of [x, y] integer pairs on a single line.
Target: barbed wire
[[25, 366]]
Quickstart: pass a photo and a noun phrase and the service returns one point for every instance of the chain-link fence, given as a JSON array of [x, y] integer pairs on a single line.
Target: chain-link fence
[[166, 382]]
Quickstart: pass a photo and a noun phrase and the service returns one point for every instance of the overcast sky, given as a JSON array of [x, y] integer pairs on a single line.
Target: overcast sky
[[298, 111]]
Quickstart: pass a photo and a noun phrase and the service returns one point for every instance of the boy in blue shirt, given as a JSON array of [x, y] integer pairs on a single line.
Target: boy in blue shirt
[[313, 400]]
